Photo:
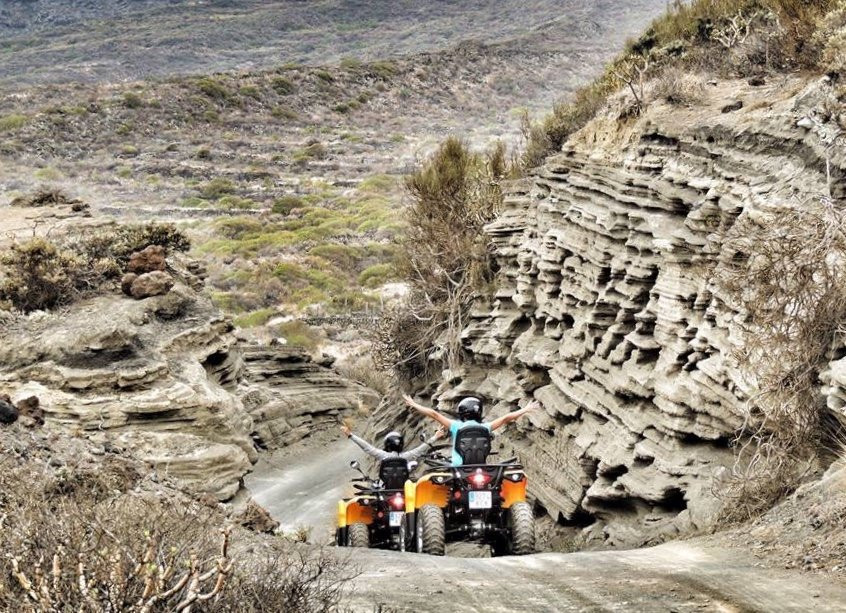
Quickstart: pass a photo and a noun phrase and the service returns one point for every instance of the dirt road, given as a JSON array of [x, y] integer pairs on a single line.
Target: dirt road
[[301, 487], [674, 577]]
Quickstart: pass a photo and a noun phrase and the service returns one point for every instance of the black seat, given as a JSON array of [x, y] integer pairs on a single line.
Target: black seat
[[394, 473], [473, 444]]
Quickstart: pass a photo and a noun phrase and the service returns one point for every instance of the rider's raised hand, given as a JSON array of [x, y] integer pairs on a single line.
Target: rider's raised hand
[[410, 402]]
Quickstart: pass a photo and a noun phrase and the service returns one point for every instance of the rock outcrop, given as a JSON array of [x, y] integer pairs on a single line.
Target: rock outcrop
[[290, 396], [606, 310], [134, 375]]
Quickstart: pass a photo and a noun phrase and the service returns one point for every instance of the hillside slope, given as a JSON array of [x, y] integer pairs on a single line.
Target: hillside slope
[[62, 40]]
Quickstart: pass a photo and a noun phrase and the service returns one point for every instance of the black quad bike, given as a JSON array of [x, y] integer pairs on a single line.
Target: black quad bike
[[375, 516], [476, 501]]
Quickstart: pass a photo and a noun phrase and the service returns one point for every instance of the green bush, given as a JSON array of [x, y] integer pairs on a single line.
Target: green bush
[[255, 319], [350, 63], [216, 188], [250, 91], [282, 86], [238, 227], [324, 76], [377, 275], [299, 334], [283, 112], [236, 202], [285, 204], [213, 88], [131, 100], [9, 123], [384, 69]]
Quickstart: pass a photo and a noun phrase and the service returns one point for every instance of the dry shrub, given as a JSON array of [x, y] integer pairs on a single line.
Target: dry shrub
[[678, 88], [364, 370], [44, 274], [444, 253], [85, 549], [789, 274], [546, 137], [830, 39], [38, 275]]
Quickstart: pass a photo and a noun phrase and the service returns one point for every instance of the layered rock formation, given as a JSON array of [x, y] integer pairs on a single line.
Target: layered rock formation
[[289, 396], [166, 380], [133, 375], [606, 310]]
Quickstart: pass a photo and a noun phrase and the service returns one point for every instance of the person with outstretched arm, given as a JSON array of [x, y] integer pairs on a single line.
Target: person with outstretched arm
[[392, 445], [469, 414]]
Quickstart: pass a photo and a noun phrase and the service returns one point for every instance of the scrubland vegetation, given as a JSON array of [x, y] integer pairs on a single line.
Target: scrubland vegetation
[[92, 537], [46, 273], [726, 38], [443, 253]]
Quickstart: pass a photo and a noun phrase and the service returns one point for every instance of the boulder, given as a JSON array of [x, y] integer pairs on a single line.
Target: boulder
[[156, 283], [147, 260], [126, 283], [256, 518], [30, 408], [8, 411]]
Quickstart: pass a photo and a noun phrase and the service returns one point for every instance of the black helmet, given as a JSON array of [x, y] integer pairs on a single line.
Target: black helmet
[[470, 408], [394, 442]]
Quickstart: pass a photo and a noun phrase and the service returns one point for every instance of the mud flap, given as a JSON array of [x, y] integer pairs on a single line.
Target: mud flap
[[341, 537], [410, 536]]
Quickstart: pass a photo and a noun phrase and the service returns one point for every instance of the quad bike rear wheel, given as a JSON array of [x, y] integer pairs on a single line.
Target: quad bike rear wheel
[[521, 524], [359, 535], [431, 530]]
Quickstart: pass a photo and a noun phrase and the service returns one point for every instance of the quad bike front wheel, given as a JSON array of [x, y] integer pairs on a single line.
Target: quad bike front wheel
[[431, 530], [359, 535], [521, 524]]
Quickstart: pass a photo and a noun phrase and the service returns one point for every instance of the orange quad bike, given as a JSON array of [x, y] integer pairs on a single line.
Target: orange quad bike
[[477, 501], [375, 516]]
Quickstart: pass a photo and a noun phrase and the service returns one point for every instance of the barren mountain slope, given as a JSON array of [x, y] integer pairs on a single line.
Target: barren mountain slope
[[62, 40]]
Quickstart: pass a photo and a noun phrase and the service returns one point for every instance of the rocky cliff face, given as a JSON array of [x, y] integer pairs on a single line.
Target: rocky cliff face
[[289, 395], [165, 380], [134, 375], [606, 310]]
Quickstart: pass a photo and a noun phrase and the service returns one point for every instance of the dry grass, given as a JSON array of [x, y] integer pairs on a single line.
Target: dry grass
[[796, 305], [678, 88], [732, 38]]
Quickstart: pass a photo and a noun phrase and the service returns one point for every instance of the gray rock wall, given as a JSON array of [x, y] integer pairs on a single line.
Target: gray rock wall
[[606, 311]]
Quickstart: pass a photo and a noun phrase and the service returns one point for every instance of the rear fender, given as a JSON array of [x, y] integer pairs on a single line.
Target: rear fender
[[352, 511], [513, 492], [425, 491]]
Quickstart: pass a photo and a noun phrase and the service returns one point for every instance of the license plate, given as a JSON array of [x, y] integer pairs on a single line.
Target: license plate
[[395, 519], [480, 500]]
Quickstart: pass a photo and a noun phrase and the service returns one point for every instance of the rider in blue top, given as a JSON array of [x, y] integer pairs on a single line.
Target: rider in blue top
[[469, 414]]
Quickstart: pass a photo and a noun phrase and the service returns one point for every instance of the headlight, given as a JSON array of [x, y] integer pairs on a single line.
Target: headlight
[[438, 480], [516, 477]]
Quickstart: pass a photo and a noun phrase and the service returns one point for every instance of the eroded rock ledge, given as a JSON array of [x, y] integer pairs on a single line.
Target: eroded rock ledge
[[606, 310], [166, 380]]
